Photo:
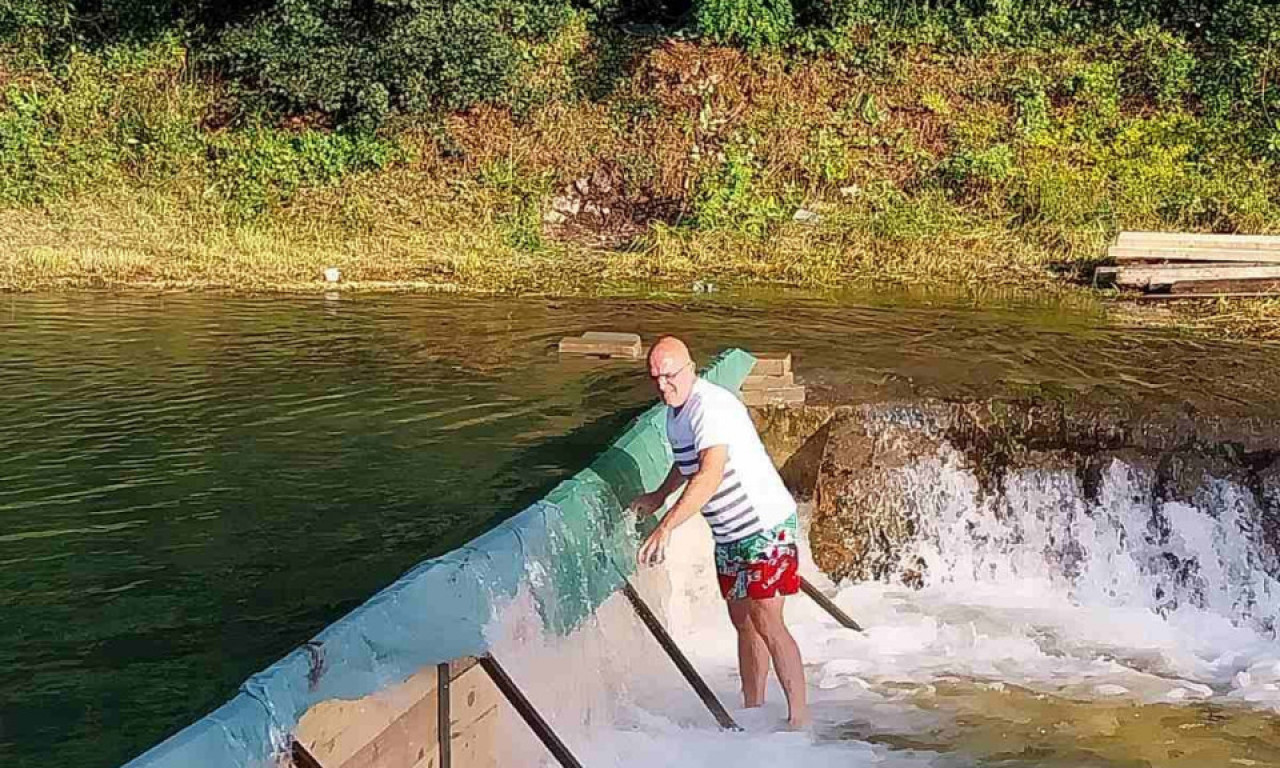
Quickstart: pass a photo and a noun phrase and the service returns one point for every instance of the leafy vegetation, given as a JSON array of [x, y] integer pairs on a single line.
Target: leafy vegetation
[[579, 144]]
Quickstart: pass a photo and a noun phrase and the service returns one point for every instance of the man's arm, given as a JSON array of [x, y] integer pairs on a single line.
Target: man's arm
[[647, 503], [700, 489]]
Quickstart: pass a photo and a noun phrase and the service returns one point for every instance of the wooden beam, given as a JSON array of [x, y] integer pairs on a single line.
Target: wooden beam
[[1153, 276], [772, 364], [525, 708], [1196, 240], [600, 344], [1211, 255], [827, 605], [677, 656], [1225, 286], [302, 758], [444, 733], [1197, 296]]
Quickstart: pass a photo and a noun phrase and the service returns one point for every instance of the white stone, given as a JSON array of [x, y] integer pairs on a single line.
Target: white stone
[[332, 275]]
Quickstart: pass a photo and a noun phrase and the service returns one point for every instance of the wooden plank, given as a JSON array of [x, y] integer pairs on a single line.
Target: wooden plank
[[407, 740], [476, 745], [1196, 240], [335, 731], [1198, 296], [1244, 256], [301, 758], [772, 364], [1225, 286], [474, 699], [611, 337], [783, 396], [756, 381], [571, 345], [429, 760], [1149, 277]]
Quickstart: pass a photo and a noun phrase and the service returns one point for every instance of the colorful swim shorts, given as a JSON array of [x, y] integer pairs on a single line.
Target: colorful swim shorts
[[760, 566]]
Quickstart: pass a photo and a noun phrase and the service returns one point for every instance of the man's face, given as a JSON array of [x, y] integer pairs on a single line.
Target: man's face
[[673, 379]]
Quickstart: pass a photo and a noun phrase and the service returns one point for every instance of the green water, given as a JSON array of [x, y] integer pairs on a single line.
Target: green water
[[191, 486]]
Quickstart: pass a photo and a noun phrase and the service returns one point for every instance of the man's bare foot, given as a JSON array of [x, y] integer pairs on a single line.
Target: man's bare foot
[[799, 722]]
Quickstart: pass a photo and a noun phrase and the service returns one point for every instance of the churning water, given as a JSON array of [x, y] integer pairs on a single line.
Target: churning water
[[1055, 629]]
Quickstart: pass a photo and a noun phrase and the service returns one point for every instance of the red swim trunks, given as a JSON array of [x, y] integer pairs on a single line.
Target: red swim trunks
[[760, 566]]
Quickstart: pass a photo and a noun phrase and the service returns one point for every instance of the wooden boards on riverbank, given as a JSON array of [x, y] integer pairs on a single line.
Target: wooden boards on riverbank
[[1178, 264]]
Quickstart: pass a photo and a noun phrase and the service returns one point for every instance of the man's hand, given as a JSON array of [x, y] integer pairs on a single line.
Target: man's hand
[[647, 503], [654, 549]]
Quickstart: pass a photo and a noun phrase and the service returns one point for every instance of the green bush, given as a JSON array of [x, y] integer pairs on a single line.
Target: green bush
[[1159, 65], [518, 197], [730, 195], [752, 24], [125, 112], [1030, 102], [975, 171], [361, 62], [256, 169]]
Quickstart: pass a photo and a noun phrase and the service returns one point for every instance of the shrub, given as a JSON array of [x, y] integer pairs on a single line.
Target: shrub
[[259, 168], [361, 62], [123, 112], [752, 24], [730, 195]]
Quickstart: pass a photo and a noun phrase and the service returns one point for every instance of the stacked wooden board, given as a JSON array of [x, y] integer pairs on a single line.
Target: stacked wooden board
[[1178, 264], [771, 382]]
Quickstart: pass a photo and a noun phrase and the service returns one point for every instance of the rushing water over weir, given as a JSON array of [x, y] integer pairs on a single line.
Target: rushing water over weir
[[1122, 616]]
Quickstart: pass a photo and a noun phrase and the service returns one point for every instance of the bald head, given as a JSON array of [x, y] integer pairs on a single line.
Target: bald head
[[672, 371], [671, 350]]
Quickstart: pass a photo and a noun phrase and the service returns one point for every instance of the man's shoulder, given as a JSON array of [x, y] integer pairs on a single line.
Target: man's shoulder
[[711, 396]]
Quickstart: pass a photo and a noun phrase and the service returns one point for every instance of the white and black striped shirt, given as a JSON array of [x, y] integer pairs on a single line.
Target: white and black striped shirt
[[751, 497]]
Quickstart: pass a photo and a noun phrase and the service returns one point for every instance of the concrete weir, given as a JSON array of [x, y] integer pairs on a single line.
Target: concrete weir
[[406, 680], [413, 678]]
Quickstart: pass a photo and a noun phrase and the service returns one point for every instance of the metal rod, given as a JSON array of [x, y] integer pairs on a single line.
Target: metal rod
[[531, 717], [301, 757], [828, 606], [444, 724], [677, 656]]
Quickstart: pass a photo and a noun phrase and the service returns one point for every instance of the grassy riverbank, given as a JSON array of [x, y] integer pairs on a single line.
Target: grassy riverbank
[[622, 160]]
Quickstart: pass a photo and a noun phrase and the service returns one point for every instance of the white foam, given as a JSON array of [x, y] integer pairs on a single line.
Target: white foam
[[1002, 610]]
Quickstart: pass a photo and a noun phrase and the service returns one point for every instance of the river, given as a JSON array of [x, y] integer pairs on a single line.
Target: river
[[192, 485]]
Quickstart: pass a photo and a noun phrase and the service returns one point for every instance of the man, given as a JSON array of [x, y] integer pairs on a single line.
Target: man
[[733, 483]]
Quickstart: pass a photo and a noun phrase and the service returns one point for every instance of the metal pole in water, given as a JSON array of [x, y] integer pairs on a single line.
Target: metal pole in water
[[444, 719], [301, 757], [659, 632], [531, 717]]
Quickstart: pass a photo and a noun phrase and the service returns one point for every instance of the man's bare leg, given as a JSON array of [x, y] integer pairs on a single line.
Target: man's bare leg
[[766, 616], [753, 654]]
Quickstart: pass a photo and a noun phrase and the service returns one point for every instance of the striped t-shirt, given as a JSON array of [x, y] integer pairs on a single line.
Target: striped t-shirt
[[751, 497]]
